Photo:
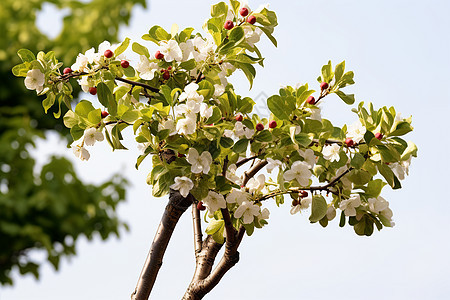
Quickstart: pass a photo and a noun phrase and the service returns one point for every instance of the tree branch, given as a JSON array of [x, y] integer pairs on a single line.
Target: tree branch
[[198, 237], [311, 188], [252, 172], [134, 83], [175, 208]]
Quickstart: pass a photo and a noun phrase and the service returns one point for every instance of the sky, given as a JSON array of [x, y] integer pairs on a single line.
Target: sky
[[399, 51]]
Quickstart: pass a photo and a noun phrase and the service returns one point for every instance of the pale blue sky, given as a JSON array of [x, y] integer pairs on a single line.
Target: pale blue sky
[[399, 51]]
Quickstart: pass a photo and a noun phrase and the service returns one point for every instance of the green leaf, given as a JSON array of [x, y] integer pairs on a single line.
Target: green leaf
[[342, 220], [339, 71], [95, 116], [318, 209], [226, 142], [264, 136], [83, 108], [26, 55], [122, 47], [214, 226], [349, 99], [216, 116], [76, 132], [219, 10], [281, 107], [21, 70], [303, 139], [327, 73], [411, 150], [49, 101], [359, 177], [70, 119], [357, 161], [241, 146], [374, 187], [139, 49], [106, 98]]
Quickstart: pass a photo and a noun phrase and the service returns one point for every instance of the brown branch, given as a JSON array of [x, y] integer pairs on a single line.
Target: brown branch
[[198, 237], [252, 172], [246, 160], [134, 83], [175, 208], [311, 188]]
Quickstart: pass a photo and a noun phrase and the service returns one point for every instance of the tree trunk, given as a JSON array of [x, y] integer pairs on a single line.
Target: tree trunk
[[176, 206]]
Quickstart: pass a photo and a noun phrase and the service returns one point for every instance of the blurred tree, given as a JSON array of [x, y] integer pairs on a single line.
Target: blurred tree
[[51, 209]]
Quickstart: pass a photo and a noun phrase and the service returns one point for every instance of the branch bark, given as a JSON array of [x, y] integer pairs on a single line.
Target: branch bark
[[175, 208]]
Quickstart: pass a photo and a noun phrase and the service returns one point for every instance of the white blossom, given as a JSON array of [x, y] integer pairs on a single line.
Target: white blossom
[[252, 36], [190, 109], [248, 210], [84, 83], [272, 164], [218, 90], [186, 126], [80, 64], [401, 168], [331, 213], [331, 152], [228, 133], [378, 204], [349, 205], [299, 171], [187, 48], [92, 56], [231, 175], [146, 68], [256, 184], [80, 152], [356, 131], [35, 80], [237, 196], [200, 163], [265, 213], [168, 124], [387, 213], [309, 156], [171, 51], [303, 204], [183, 184], [206, 111], [214, 201], [240, 130], [92, 135]]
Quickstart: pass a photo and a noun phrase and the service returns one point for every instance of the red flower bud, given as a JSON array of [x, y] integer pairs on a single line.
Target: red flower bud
[[251, 20], [67, 71], [159, 55], [125, 64], [93, 90], [108, 53], [272, 124], [311, 100], [259, 127], [228, 25]]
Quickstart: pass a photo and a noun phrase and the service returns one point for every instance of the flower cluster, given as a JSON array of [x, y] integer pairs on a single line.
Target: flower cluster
[[204, 138]]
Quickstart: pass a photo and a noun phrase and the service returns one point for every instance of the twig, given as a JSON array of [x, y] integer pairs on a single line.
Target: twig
[[134, 83]]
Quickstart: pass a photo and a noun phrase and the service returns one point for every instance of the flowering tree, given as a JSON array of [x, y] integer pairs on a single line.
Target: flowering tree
[[208, 149]]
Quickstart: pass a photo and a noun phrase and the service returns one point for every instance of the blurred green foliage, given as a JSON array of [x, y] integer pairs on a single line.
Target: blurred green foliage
[[50, 209]]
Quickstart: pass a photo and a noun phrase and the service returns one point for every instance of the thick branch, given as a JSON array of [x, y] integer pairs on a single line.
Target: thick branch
[[175, 208]]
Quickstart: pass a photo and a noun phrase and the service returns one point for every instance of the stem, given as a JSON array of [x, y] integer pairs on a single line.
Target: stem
[[175, 208]]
